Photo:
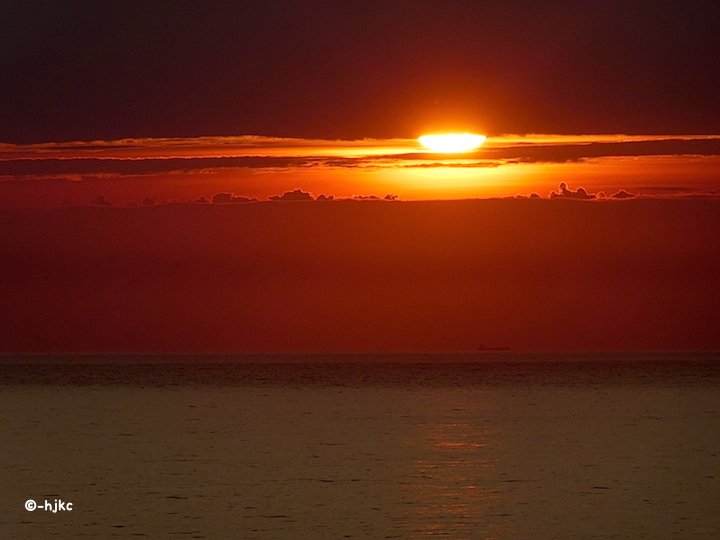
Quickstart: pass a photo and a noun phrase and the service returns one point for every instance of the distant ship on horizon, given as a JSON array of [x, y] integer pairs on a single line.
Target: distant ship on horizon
[[482, 347]]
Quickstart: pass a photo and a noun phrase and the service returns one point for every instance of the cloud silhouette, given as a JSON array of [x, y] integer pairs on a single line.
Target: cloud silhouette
[[148, 201], [66, 202], [561, 153], [567, 193], [221, 198], [323, 197], [84, 161], [100, 200], [701, 195], [294, 195], [622, 194], [201, 200]]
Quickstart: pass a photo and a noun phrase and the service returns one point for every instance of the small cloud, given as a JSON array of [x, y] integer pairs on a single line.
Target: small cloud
[[66, 202], [700, 195], [534, 195], [201, 200], [131, 203], [388, 197], [667, 189], [567, 193], [295, 195], [148, 201], [241, 199], [100, 200], [323, 197], [622, 194], [220, 198]]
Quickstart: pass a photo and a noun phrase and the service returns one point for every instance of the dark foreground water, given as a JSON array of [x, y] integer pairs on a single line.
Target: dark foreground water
[[465, 447]]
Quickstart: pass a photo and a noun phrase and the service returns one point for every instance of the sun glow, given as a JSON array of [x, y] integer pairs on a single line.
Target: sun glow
[[453, 143]]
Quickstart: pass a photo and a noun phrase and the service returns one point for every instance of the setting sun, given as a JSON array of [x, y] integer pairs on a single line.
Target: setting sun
[[452, 143]]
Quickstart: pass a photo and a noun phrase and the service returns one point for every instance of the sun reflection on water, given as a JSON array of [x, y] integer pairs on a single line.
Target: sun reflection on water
[[449, 493]]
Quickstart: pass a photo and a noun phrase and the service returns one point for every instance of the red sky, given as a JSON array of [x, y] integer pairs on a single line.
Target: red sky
[[637, 274]]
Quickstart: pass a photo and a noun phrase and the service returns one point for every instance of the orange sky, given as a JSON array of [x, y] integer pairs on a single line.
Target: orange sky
[[130, 170]]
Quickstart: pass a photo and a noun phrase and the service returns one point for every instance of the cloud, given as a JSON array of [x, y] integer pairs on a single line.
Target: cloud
[[701, 195], [139, 157], [668, 189], [323, 197], [204, 147], [222, 198], [100, 200], [88, 167], [567, 193], [562, 152], [388, 197], [148, 201], [295, 195], [431, 161], [622, 194]]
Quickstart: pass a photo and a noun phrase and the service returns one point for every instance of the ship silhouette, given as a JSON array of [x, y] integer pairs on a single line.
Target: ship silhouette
[[482, 347]]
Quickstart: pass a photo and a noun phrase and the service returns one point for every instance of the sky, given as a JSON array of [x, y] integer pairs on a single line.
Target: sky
[[157, 158]]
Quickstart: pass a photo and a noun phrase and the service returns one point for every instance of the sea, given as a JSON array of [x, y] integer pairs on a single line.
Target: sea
[[502, 446]]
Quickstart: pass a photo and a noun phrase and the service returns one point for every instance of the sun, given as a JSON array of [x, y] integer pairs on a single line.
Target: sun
[[452, 143]]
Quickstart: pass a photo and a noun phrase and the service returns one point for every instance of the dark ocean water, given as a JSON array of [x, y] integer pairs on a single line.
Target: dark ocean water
[[359, 370], [492, 445]]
